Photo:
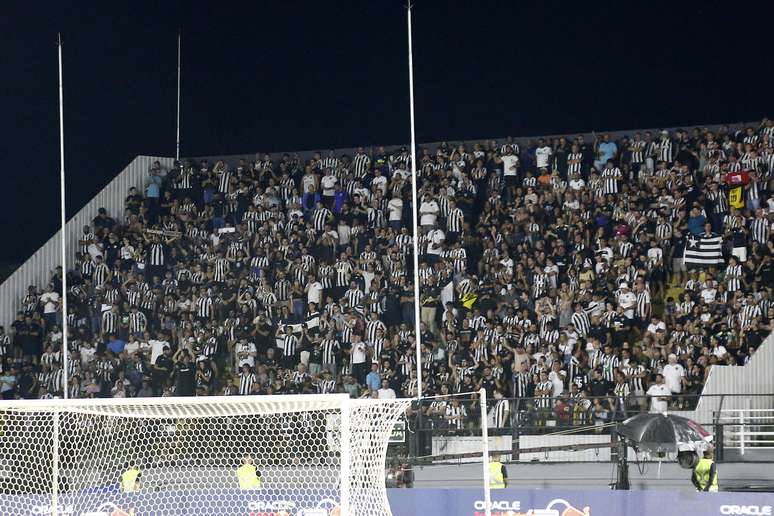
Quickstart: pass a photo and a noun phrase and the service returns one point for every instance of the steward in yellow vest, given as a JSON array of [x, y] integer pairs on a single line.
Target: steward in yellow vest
[[248, 475], [705, 474], [130, 480], [498, 476]]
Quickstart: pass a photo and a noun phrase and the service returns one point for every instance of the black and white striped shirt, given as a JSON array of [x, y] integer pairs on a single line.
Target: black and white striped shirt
[[636, 384], [733, 278], [361, 165], [354, 296], [156, 254], [204, 307], [343, 273], [454, 220], [330, 351], [326, 386], [289, 343], [246, 382], [138, 322], [760, 230], [581, 322], [643, 307], [500, 413], [543, 400], [320, 218], [574, 162], [100, 274], [719, 202], [665, 150], [610, 178], [110, 322], [638, 152], [609, 364]]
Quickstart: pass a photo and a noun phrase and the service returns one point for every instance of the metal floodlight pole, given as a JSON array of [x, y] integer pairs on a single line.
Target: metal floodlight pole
[[177, 141], [414, 208], [62, 231]]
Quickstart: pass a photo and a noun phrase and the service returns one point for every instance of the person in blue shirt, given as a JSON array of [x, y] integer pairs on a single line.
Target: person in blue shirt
[[374, 379], [115, 344], [340, 198], [606, 150], [696, 221], [153, 191]]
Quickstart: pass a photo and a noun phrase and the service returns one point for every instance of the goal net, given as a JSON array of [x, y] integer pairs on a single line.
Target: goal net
[[254, 455]]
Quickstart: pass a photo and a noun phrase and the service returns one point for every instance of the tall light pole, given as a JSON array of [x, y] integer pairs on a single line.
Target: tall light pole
[[63, 230], [415, 207]]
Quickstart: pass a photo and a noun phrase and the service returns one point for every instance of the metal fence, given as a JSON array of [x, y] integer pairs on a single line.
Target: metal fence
[[566, 428]]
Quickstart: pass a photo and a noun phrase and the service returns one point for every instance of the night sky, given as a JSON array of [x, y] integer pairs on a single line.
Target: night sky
[[292, 75]]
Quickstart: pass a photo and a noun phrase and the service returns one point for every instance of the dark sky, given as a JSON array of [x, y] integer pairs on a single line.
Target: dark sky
[[294, 75]]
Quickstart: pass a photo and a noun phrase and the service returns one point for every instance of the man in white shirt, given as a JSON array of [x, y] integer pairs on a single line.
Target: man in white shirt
[[50, 302], [429, 211], [659, 395], [379, 182], [395, 209], [543, 154], [510, 163], [245, 353], [436, 238], [627, 300], [157, 346], [328, 184], [674, 375], [358, 359], [656, 325], [313, 291], [556, 376], [577, 183], [386, 393]]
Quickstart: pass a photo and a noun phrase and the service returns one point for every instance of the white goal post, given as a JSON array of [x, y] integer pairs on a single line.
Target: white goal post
[[305, 455]]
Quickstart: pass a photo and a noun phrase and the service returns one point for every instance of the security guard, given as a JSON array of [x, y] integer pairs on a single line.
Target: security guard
[[247, 474], [705, 474], [130, 479], [498, 476]]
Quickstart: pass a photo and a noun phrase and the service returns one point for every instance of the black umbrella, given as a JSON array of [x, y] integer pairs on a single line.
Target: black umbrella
[[661, 433]]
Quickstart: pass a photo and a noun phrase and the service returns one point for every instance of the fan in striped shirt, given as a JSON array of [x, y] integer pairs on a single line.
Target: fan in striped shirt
[[580, 320], [246, 380], [361, 163], [611, 176]]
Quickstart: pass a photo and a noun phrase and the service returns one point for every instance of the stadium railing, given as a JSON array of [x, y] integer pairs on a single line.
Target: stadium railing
[[558, 429]]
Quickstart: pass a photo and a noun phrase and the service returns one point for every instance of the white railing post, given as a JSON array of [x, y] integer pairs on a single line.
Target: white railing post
[[485, 452], [741, 432], [345, 456], [55, 466]]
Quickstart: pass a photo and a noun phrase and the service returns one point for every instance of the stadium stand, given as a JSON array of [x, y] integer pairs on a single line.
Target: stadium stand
[[549, 267]]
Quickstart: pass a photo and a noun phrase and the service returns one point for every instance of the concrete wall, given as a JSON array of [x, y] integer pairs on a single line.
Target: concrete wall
[[593, 476], [38, 268], [757, 377]]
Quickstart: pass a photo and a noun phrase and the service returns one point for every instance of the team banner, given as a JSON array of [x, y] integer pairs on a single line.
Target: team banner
[[703, 251], [736, 197], [405, 502]]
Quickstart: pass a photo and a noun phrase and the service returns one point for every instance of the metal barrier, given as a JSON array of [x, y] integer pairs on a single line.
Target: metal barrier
[[566, 428], [747, 430]]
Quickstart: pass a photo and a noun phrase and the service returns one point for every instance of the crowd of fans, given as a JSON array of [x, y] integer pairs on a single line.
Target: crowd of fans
[[550, 269]]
